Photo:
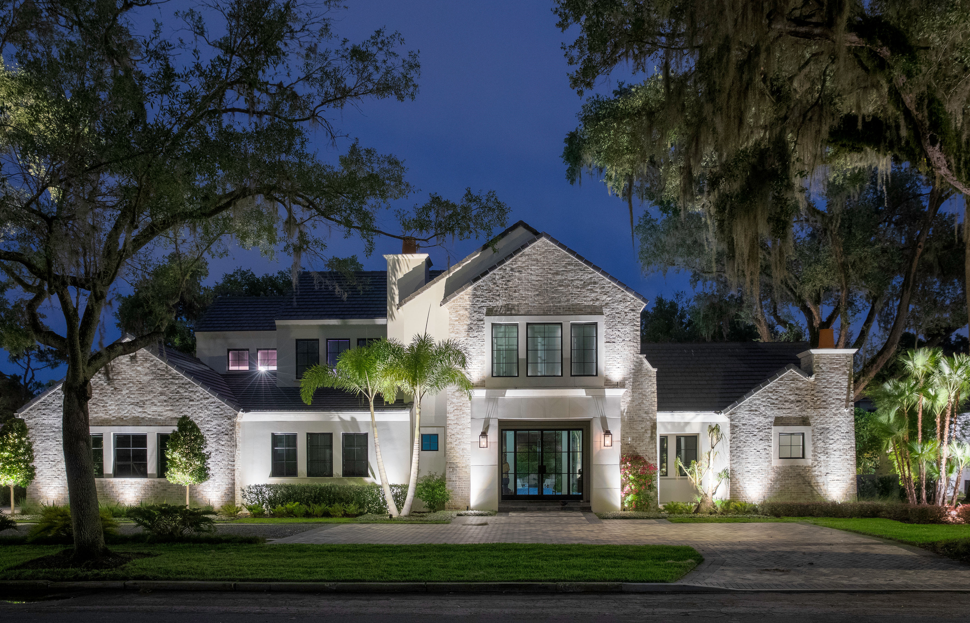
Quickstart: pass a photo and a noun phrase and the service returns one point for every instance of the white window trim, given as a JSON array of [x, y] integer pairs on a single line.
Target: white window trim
[[776, 445], [566, 378], [109, 432]]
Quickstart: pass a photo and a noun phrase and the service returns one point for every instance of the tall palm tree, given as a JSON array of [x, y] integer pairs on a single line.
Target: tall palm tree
[[961, 456], [919, 365], [892, 430], [924, 454], [362, 371], [425, 367], [952, 378]]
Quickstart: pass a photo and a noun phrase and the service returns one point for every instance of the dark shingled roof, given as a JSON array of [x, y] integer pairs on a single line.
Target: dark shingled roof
[[241, 313], [711, 377], [257, 391], [330, 295]]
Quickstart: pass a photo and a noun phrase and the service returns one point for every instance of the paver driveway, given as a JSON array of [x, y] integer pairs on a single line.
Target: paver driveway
[[739, 556]]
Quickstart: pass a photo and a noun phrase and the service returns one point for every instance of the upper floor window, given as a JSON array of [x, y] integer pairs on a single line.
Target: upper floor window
[[307, 355], [238, 359], [583, 349], [505, 350], [266, 359], [334, 348], [791, 445], [544, 349]]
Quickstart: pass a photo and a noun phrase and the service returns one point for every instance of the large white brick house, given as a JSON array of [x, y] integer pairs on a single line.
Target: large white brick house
[[562, 388]]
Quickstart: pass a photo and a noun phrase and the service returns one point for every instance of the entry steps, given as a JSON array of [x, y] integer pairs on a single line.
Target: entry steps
[[515, 506]]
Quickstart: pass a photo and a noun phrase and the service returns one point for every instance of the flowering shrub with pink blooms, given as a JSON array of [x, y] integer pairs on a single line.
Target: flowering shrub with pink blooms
[[639, 481]]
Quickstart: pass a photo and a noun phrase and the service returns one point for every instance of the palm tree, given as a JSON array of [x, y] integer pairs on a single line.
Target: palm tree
[[892, 430], [952, 378], [362, 371], [919, 365], [961, 455], [425, 367], [924, 454]]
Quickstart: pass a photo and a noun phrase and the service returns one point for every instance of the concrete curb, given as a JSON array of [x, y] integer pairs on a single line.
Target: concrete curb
[[28, 586]]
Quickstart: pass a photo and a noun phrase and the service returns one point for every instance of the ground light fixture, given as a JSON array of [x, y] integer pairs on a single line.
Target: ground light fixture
[[607, 439], [483, 440]]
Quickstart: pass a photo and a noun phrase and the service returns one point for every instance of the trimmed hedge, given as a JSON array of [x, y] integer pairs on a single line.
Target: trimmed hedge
[[368, 498], [899, 512]]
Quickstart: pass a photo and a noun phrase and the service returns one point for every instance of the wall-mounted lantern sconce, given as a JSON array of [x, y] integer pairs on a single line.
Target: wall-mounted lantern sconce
[[483, 440], [607, 439]]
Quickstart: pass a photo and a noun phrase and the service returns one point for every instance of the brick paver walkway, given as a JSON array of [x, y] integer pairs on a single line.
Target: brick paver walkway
[[739, 556]]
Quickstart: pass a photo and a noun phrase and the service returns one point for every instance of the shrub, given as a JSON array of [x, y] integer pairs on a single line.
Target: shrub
[[963, 513], [886, 510], [6, 523], [55, 523], [318, 510], [928, 514], [352, 510], [679, 508], [231, 510], [337, 510], [369, 498], [638, 477], [256, 510], [736, 507], [299, 510], [168, 521], [433, 490]]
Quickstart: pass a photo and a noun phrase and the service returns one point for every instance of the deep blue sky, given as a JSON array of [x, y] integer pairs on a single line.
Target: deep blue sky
[[493, 108]]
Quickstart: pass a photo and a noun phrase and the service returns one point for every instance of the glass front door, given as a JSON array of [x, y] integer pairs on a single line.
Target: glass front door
[[542, 464]]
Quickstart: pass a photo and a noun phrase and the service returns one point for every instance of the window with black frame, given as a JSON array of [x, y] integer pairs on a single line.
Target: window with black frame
[[131, 456], [266, 359], [505, 350], [686, 451], [284, 455], [544, 349], [307, 355], [162, 458], [319, 455], [662, 468], [583, 351], [791, 445], [334, 349], [97, 454], [238, 360], [354, 455]]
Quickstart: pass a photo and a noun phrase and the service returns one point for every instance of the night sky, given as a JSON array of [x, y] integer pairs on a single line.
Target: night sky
[[492, 111]]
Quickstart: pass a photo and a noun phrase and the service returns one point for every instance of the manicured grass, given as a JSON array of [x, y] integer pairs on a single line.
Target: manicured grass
[[729, 519], [498, 562], [284, 520], [915, 534]]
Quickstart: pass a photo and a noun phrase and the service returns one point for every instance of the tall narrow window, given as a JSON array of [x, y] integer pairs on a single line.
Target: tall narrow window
[[284, 455], [583, 349], [307, 355], [663, 457], [131, 456], [266, 359], [505, 350], [334, 348], [97, 454], [355, 454], [686, 451], [791, 445], [544, 349], [238, 359], [319, 455], [162, 459]]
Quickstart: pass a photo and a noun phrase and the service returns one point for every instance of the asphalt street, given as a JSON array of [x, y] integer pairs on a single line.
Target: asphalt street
[[166, 607]]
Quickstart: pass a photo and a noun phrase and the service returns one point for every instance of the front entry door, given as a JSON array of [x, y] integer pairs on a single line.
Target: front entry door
[[542, 464]]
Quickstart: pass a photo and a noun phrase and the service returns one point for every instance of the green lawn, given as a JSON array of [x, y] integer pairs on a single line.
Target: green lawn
[[500, 562], [915, 534], [279, 520], [729, 519]]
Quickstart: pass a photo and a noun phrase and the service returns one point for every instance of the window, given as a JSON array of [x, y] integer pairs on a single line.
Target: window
[[97, 454], [334, 348], [355, 454], [505, 350], [307, 355], [544, 349], [238, 359], [791, 445], [319, 455], [583, 349], [162, 459], [284, 455], [429, 442], [686, 451], [266, 359], [663, 457], [131, 456], [367, 341]]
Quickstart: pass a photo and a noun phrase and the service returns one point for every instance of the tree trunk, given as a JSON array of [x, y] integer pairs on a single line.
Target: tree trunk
[[79, 464], [966, 251], [388, 496], [187, 502], [415, 458], [12, 508]]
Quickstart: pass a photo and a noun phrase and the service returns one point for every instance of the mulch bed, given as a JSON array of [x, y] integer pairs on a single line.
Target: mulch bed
[[63, 560]]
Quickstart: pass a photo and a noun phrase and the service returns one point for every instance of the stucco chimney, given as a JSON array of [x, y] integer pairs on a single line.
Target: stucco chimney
[[405, 274]]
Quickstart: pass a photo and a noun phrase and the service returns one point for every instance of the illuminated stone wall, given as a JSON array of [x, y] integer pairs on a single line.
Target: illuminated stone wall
[[139, 390]]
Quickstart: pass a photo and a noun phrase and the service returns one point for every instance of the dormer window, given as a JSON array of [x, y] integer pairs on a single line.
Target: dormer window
[[505, 350], [544, 349], [266, 359], [238, 360]]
